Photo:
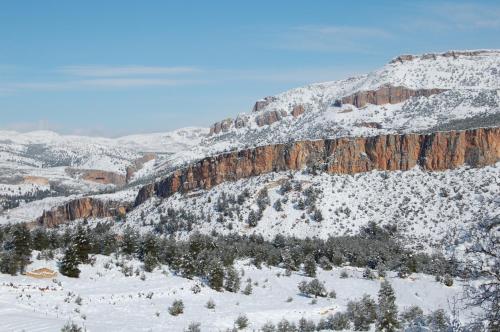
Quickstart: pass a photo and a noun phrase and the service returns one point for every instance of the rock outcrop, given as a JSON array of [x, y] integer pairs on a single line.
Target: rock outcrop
[[269, 117], [221, 126], [80, 208], [387, 95], [433, 56], [297, 110], [261, 104], [98, 176], [137, 165], [433, 152]]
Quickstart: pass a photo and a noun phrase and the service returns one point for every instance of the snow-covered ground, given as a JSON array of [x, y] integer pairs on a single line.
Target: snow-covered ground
[[424, 205], [111, 301]]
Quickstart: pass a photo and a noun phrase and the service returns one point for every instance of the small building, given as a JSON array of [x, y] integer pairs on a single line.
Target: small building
[[42, 273]]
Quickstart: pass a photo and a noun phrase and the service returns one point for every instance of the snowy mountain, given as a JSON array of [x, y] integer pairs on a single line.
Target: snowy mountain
[[44, 163], [452, 90]]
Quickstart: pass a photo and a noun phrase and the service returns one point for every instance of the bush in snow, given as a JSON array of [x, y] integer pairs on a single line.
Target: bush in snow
[[268, 327], [252, 219], [313, 288], [176, 308], [310, 266], [448, 280], [210, 304], [305, 325], [368, 274], [340, 321], [194, 327], [362, 313], [71, 327], [438, 321], [412, 317], [241, 322], [286, 326], [248, 289], [278, 206]]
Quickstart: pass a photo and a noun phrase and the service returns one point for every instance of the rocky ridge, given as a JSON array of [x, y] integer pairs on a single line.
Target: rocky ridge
[[432, 152]]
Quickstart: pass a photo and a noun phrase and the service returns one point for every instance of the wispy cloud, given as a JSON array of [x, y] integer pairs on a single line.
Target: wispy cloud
[[332, 38], [104, 77], [95, 83], [447, 16], [469, 15], [119, 71]]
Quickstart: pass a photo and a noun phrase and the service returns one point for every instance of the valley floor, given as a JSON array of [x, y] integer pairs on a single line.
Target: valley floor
[[110, 301]]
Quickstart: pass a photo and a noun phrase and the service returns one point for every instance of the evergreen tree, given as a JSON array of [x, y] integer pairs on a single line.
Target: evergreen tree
[[252, 220], [150, 262], [362, 313], [310, 266], [21, 240], [129, 241], [215, 275], [8, 263], [69, 264], [82, 244], [232, 282], [387, 315], [248, 289], [40, 239]]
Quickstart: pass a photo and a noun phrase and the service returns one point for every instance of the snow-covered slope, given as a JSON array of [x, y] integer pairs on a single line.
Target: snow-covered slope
[[425, 206], [42, 163], [468, 95], [116, 302]]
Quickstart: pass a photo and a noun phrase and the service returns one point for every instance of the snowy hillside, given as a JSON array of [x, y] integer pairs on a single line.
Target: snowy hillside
[[424, 205], [42, 164], [104, 299], [468, 96]]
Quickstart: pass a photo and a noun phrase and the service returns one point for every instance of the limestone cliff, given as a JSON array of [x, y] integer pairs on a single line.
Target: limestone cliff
[[85, 207], [387, 95], [435, 151]]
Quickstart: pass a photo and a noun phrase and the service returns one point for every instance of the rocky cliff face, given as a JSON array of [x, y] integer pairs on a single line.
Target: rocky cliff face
[[85, 207], [433, 56], [387, 95], [435, 151]]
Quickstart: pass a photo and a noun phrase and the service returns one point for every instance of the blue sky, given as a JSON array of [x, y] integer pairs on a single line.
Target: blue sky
[[118, 67]]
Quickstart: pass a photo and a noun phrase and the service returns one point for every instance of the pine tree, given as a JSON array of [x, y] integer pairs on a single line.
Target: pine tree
[[129, 241], [387, 313], [252, 220], [40, 239], [216, 275], [232, 283], [310, 266], [69, 264], [82, 244], [150, 262], [21, 240]]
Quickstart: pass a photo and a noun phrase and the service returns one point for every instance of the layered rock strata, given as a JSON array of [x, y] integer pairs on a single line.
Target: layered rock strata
[[81, 208], [432, 152]]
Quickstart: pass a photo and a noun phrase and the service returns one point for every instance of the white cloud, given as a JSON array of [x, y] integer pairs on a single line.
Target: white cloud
[[447, 16], [95, 83], [114, 71], [332, 38]]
